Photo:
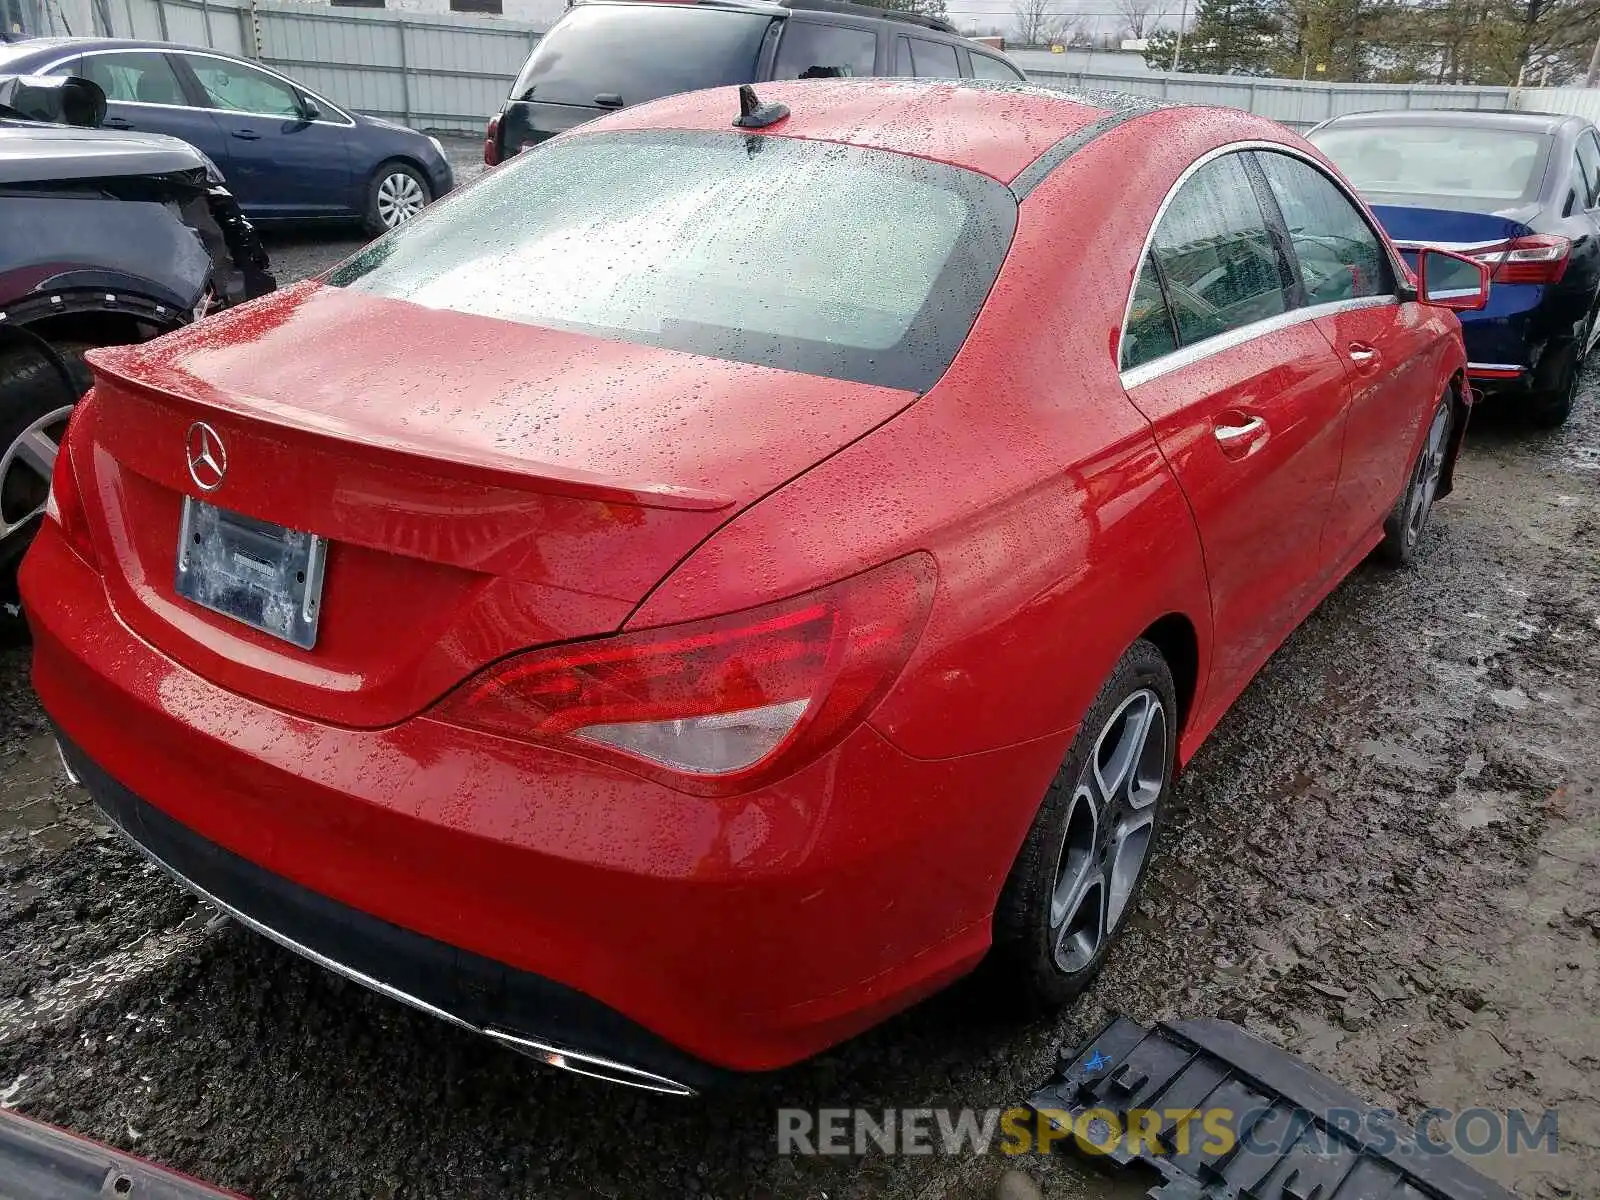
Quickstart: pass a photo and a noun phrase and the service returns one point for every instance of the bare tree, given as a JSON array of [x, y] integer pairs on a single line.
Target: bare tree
[[1066, 30], [1140, 15], [1034, 18]]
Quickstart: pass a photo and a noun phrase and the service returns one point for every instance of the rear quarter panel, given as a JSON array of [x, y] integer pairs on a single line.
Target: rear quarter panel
[[1059, 532]]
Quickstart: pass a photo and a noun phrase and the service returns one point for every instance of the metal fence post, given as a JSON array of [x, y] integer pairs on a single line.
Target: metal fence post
[[405, 74], [205, 15], [161, 20]]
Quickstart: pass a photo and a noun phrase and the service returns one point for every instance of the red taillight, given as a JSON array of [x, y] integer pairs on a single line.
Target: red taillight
[[491, 143], [1537, 258], [65, 503], [714, 706]]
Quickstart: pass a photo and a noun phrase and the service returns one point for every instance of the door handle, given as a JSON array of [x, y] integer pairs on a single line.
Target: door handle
[[247, 135], [1236, 435], [116, 123], [1362, 354]]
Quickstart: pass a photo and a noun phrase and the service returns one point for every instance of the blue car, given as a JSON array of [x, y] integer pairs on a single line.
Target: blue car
[[287, 153], [1517, 191]]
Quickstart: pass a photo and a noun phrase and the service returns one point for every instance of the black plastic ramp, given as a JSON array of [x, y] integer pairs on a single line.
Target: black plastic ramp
[[1226, 1116], [41, 1162]]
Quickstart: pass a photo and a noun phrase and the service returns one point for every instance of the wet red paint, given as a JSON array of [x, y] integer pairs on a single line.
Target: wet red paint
[[487, 492]]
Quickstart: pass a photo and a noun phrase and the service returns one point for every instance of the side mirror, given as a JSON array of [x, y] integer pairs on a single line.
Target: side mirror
[[308, 108], [59, 99], [1453, 281]]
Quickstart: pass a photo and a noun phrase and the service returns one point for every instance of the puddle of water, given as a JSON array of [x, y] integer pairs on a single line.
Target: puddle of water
[[58, 1000], [1513, 698], [1584, 458], [1393, 754], [10, 1093], [1476, 810]]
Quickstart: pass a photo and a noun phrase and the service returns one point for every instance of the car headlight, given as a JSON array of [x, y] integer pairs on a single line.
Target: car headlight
[[215, 172]]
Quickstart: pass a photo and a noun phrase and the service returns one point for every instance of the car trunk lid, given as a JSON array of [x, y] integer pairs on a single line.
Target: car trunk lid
[[1451, 229], [483, 486]]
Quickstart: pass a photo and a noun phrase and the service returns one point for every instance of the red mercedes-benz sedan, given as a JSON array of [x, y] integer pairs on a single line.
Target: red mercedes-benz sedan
[[704, 587]]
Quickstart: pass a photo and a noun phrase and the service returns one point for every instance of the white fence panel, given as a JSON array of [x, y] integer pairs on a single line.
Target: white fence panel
[[452, 71], [1299, 104], [1578, 102]]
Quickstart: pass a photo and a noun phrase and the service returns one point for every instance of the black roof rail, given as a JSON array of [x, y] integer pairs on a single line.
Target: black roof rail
[[872, 10]]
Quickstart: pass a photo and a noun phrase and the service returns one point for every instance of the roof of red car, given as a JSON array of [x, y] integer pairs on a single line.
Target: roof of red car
[[996, 129]]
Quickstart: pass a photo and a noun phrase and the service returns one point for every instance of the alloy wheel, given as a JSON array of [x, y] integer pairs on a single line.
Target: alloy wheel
[[1430, 469], [25, 470], [400, 197], [1108, 830]]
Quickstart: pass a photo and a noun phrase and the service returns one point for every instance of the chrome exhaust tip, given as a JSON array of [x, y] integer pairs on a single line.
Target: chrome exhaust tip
[[591, 1065], [66, 767]]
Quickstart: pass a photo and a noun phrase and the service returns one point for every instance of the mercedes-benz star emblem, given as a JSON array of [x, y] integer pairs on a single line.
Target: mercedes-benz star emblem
[[208, 458]]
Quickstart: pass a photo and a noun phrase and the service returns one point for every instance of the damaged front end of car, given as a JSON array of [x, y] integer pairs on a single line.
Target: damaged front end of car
[[105, 221], [107, 237]]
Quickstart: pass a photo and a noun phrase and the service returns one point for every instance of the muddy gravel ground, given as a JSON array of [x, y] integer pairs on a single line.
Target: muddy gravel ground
[[1387, 860]]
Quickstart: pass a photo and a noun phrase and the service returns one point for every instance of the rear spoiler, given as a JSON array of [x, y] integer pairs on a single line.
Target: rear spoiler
[[122, 367], [41, 1162]]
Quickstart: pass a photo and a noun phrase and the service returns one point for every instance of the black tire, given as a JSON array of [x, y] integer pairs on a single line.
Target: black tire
[[374, 219], [1556, 388], [30, 387], [1403, 529], [1024, 959]]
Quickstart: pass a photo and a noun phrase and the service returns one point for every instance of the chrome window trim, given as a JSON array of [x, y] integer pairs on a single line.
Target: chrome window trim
[[1452, 247], [1184, 356], [347, 123], [1171, 361], [1478, 366]]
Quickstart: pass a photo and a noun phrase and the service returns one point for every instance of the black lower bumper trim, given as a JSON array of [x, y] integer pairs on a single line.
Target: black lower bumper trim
[[519, 1007]]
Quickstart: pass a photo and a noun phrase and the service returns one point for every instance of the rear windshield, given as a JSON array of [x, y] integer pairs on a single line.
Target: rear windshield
[[804, 255], [641, 52], [1493, 167]]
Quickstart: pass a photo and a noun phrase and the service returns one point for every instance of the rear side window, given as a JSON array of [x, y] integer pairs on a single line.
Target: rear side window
[[641, 52], [927, 60], [1222, 268], [984, 67], [144, 77], [811, 51], [709, 243], [1588, 183], [1149, 331], [1338, 255]]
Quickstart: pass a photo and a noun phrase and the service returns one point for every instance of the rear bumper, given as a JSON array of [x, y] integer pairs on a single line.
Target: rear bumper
[[571, 904], [531, 1013], [1511, 342], [1499, 377]]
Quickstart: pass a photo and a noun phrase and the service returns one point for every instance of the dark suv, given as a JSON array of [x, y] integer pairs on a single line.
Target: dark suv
[[608, 54]]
